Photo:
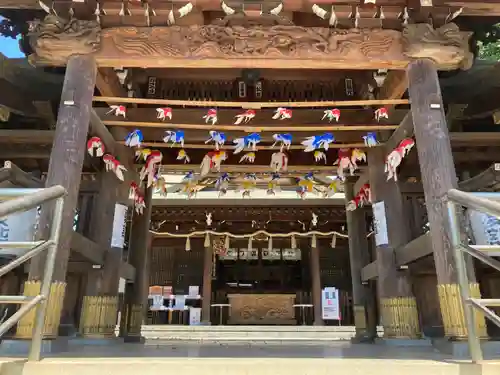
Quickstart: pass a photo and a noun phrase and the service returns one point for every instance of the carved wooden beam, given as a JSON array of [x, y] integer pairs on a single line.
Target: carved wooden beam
[[211, 46]]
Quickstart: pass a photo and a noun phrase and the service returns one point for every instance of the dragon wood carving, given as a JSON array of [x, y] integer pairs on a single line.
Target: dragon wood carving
[[55, 39], [446, 45], [287, 42]]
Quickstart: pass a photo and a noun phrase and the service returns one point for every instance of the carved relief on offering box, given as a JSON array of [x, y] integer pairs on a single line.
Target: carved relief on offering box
[[262, 308]]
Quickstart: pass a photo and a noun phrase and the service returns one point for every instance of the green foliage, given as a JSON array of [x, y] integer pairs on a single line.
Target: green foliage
[[488, 41]]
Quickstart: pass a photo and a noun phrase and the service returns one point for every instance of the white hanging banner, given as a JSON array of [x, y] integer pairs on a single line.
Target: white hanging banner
[[119, 225], [330, 304], [380, 224]]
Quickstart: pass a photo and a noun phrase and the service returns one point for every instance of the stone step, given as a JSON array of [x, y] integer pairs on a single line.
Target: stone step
[[160, 333], [244, 366]]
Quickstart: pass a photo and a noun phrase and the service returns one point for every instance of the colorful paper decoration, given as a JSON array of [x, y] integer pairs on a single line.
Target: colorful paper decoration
[[273, 184], [211, 116], [164, 113], [370, 139], [279, 162], [113, 165], [363, 197], [318, 141], [134, 139], [217, 137], [212, 161], [142, 154], [319, 156], [248, 157], [182, 155], [95, 147], [244, 117], [282, 114], [381, 113], [117, 110], [396, 156], [249, 141], [150, 169], [331, 114], [222, 184], [174, 137], [285, 140]]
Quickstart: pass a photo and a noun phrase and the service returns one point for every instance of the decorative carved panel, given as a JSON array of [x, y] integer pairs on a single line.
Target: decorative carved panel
[[262, 308]]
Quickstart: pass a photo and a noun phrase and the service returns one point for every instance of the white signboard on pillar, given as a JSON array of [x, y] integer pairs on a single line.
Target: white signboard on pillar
[[380, 224], [119, 224], [330, 304], [19, 227]]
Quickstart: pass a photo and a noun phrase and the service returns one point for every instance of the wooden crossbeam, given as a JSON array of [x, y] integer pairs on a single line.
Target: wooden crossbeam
[[251, 129], [249, 105], [292, 171], [229, 147]]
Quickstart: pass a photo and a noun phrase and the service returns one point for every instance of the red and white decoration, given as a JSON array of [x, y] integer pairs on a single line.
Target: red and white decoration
[[117, 110], [396, 156], [282, 114], [113, 165], [164, 113], [363, 197], [95, 147]]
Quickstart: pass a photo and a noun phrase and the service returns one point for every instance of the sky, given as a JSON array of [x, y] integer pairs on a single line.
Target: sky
[[10, 47]]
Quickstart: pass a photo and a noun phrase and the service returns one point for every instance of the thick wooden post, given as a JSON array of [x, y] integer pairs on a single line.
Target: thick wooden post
[[136, 294], [362, 298], [397, 303], [65, 168], [207, 284], [101, 296], [316, 285], [438, 176]]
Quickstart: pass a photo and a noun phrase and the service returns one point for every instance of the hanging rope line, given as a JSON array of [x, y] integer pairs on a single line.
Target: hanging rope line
[[254, 234]]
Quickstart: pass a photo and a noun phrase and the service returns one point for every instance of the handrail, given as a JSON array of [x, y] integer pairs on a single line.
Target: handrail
[[483, 202], [23, 200]]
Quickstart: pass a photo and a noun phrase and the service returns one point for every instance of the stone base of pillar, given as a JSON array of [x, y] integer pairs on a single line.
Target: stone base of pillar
[[54, 308], [98, 316], [362, 334], [134, 316], [452, 311], [400, 317]]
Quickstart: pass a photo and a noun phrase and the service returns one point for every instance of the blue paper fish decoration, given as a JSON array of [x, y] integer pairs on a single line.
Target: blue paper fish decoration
[[275, 176], [174, 137], [285, 140], [222, 178], [318, 141], [134, 139], [218, 138], [188, 177], [370, 139], [222, 184], [250, 176], [249, 141]]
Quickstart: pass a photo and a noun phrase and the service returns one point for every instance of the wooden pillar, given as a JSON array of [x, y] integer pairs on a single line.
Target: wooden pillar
[[397, 303], [207, 284], [316, 285], [65, 168], [100, 303], [136, 294], [362, 296], [438, 176]]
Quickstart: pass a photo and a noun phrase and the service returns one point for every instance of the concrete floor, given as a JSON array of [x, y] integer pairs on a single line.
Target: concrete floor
[[339, 358]]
